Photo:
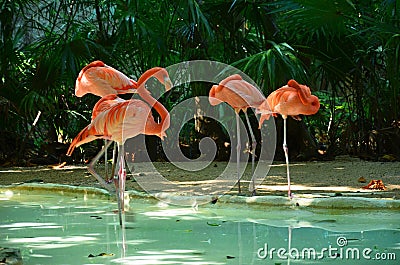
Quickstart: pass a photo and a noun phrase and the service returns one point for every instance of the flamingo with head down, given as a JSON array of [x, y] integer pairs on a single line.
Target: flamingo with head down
[[292, 100], [123, 119], [100, 79], [240, 95]]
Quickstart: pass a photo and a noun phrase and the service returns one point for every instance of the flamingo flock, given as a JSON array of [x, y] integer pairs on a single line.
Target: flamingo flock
[[117, 120]]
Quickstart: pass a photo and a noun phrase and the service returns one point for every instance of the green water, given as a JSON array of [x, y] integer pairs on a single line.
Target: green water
[[57, 229]]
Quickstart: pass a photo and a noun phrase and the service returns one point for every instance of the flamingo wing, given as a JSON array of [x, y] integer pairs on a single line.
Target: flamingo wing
[[230, 78], [217, 93], [123, 120], [88, 134], [238, 93], [105, 103], [285, 101], [293, 101], [246, 92]]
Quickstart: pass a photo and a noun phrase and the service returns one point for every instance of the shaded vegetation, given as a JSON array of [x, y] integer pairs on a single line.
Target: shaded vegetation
[[348, 52]]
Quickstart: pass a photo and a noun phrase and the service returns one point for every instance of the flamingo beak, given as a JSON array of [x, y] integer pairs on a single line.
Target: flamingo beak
[[167, 83], [162, 135]]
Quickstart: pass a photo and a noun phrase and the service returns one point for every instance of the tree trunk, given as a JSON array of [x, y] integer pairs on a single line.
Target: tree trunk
[[211, 128]]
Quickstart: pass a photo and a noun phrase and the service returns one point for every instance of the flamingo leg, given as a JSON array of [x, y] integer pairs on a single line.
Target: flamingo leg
[[94, 173], [113, 160], [286, 150], [253, 153], [120, 183], [238, 148], [106, 159]]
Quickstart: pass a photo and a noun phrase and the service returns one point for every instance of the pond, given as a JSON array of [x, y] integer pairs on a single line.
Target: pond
[[82, 228]]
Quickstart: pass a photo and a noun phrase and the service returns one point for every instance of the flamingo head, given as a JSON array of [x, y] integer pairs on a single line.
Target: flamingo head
[[163, 76], [212, 96], [165, 125], [167, 83], [160, 74]]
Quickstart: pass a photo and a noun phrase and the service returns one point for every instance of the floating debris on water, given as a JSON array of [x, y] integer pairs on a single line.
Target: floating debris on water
[[103, 254]]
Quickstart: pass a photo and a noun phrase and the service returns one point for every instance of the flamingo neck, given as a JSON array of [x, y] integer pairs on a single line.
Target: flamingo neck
[[152, 127], [149, 73]]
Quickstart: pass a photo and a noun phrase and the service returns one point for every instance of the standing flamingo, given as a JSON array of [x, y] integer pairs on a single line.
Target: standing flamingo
[[240, 95], [100, 79], [102, 105], [292, 100], [123, 120]]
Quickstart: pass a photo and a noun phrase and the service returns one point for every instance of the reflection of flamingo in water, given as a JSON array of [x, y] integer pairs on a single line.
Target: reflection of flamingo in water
[[290, 100], [123, 119], [240, 95], [100, 79]]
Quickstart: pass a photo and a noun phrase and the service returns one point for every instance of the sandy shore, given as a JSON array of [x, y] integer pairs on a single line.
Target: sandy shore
[[340, 177]]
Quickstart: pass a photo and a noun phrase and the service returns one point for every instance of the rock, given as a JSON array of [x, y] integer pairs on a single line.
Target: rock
[[10, 256]]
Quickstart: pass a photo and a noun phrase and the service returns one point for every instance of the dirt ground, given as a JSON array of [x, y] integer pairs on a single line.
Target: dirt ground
[[340, 177]]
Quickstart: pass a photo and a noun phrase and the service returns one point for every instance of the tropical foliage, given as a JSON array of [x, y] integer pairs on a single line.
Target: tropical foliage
[[347, 51]]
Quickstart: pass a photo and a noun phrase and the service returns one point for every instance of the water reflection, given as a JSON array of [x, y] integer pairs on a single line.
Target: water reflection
[[74, 230]]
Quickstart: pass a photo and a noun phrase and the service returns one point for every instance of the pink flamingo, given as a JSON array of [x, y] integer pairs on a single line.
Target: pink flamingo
[[100, 79], [123, 119], [292, 100], [240, 95]]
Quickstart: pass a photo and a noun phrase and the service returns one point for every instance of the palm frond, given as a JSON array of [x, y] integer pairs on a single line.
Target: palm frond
[[273, 67]]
